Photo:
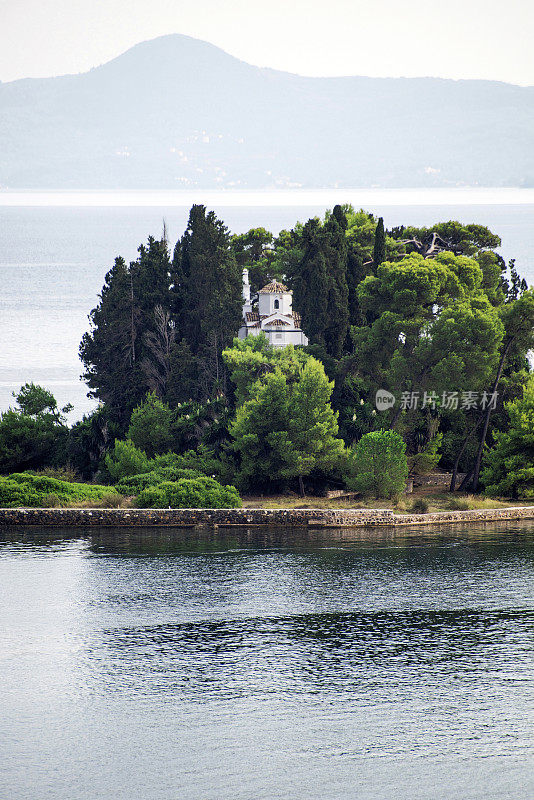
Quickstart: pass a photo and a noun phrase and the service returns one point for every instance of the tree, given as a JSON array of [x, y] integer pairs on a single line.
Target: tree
[[313, 426], [381, 465], [89, 440], [207, 299], [254, 249], [310, 284], [518, 320], [379, 251], [151, 426], [261, 433], [124, 353], [335, 250], [35, 434], [287, 428], [251, 359], [452, 236], [509, 465], [319, 282], [34, 400]]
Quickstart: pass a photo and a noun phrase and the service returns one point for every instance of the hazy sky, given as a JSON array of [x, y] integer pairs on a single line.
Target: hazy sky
[[446, 38]]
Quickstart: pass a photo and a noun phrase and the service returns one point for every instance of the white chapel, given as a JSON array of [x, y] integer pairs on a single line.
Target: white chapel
[[274, 315]]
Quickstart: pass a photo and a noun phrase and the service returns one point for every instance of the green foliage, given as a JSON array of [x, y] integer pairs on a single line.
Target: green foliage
[[287, 427], [88, 441], [126, 459], [509, 465], [379, 250], [35, 435], [17, 495], [251, 359], [207, 300], [125, 340], [254, 249], [427, 457], [34, 400], [381, 467], [200, 492], [151, 426], [26, 489], [260, 431], [319, 282], [134, 484], [313, 425]]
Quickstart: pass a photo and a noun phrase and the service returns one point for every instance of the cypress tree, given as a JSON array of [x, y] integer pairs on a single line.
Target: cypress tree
[[335, 245], [310, 284], [379, 252], [109, 351], [118, 352], [207, 300]]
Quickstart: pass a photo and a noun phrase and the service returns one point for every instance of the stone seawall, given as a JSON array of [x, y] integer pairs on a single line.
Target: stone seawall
[[275, 517]]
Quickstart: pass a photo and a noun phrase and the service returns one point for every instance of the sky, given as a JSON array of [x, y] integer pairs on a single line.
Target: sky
[[486, 39]]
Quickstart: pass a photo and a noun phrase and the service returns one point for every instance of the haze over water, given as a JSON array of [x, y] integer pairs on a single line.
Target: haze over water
[[56, 247]]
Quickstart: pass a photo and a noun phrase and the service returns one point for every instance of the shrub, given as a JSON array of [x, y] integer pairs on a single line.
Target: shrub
[[126, 459], [153, 497], [15, 494], [380, 464], [134, 484], [61, 473], [420, 506], [26, 489], [200, 492], [151, 425]]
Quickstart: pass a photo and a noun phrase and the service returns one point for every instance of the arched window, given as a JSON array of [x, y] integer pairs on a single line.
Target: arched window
[[277, 303]]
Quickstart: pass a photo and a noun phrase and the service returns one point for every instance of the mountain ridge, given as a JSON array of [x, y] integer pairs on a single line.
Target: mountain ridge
[[176, 112]]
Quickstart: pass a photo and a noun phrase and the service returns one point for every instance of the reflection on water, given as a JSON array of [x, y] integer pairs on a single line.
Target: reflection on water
[[267, 664]]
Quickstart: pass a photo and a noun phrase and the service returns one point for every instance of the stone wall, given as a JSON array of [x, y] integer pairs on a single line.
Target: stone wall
[[190, 517]]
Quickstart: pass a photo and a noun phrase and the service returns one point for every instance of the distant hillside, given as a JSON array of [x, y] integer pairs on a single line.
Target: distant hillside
[[180, 113]]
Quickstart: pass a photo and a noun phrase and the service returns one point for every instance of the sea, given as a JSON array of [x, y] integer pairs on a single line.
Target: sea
[[56, 247], [168, 664]]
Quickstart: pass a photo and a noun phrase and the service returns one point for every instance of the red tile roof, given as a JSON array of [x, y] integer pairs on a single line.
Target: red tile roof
[[274, 288]]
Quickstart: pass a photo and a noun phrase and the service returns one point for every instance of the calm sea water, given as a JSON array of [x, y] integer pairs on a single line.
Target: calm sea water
[[54, 255], [262, 666]]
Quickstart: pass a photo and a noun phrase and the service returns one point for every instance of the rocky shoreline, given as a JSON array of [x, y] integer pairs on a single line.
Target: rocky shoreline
[[278, 517]]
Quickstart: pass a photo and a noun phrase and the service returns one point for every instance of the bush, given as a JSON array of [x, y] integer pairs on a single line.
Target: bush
[[126, 459], [151, 425], [420, 506], [61, 473], [136, 483], [380, 464], [153, 497], [15, 494], [26, 489], [200, 492]]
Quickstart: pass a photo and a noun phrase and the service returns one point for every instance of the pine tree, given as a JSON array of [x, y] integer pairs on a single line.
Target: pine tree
[[313, 424], [379, 252]]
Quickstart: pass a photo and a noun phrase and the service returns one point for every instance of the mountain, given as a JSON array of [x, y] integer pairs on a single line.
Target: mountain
[[176, 112]]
